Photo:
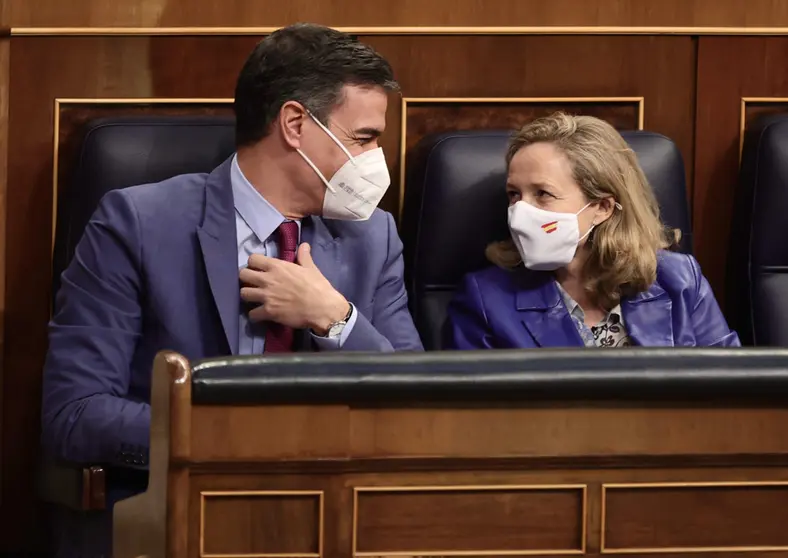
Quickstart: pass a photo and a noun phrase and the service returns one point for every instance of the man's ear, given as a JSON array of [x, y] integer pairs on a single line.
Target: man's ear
[[291, 120], [604, 210]]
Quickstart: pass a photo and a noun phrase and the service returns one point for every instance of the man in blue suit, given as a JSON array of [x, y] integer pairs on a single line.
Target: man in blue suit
[[280, 248]]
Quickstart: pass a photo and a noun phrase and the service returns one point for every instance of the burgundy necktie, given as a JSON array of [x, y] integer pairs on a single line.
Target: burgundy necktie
[[279, 338]]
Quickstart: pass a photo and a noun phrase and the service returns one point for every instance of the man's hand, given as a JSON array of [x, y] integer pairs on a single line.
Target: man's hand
[[295, 295]]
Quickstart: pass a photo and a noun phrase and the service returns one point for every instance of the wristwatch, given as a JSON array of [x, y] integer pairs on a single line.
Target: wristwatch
[[335, 329]]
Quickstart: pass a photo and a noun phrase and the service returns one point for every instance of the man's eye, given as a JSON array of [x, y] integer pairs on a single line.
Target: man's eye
[[364, 141]]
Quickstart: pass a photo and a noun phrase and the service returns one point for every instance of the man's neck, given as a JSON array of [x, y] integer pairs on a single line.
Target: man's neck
[[265, 173]]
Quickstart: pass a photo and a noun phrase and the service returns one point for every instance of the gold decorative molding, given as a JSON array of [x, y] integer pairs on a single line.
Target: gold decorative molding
[[743, 114], [492, 100], [581, 488], [263, 494], [60, 102], [683, 550], [403, 30]]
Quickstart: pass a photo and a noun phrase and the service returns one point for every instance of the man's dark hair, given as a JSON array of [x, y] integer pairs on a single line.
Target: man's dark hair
[[305, 63]]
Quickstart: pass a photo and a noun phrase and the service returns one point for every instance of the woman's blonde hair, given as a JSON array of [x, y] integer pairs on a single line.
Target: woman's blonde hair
[[622, 258]]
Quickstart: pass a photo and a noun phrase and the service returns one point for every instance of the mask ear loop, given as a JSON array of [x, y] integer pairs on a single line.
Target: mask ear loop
[[593, 225], [332, 136]]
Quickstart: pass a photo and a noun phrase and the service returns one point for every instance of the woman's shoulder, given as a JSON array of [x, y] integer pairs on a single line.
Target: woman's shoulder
[[491, 276], [677, 270]]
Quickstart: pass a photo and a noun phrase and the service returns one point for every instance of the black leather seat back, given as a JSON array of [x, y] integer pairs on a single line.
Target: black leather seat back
[[121, 152], [757, 288], [455, 205]]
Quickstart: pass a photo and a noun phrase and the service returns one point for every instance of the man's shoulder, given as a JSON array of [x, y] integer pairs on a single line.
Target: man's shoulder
[[167, 195]]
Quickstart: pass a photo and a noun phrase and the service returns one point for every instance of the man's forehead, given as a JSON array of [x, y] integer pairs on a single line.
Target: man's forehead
[[362, 108]]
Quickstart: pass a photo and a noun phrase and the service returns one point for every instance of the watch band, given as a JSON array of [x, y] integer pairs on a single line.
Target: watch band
[[335, 328]]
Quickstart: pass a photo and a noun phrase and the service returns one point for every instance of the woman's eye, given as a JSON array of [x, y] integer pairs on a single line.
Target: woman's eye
[[513, 196], [543, 193]]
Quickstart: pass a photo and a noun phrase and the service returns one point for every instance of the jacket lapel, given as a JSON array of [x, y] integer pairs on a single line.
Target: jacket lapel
[[648, 318], [325, 250], [219, 247], [326, 255], [544, 314]]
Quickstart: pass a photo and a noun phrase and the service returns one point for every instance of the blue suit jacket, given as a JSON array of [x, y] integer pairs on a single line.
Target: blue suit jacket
[[157, 268], [499, 309]]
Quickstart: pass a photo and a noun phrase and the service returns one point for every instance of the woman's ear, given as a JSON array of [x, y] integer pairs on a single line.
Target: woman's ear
[[291, 120], [604, 210]]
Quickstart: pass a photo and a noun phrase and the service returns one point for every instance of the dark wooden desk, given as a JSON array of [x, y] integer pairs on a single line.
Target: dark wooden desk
[[487, 478]]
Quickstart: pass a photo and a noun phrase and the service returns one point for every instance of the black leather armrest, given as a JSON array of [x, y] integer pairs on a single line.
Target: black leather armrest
[[546, 374]]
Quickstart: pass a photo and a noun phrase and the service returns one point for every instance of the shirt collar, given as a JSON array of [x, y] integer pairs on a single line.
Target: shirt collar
[[259, 215], [576, 311]]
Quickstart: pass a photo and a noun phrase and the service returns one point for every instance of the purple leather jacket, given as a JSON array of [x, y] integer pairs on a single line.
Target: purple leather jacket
[[500, 309]]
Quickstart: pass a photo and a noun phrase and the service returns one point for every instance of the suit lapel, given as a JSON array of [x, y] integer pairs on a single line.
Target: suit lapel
[[326, 255], [325, 250], [219, 247], [648, 318], [544, 314]]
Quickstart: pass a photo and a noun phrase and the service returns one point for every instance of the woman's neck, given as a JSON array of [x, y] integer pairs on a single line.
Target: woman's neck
[[572, 280]]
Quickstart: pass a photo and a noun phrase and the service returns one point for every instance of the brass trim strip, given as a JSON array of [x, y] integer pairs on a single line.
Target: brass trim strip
[[263, 494], [404, 30], [683, 550], [491, 100], [582, 488]]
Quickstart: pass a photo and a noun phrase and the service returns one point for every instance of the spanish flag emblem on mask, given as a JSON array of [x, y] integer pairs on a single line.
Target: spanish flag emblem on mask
[[552, 226]]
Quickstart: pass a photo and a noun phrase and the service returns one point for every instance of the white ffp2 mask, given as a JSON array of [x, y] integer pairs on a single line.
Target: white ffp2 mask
[[546, 240], [357, 187]]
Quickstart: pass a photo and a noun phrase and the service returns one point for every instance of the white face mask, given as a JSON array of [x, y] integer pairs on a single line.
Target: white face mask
[[357, 187], [547, 240]]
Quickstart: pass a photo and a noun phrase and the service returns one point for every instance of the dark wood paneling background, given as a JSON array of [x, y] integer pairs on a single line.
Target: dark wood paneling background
[[692, 88], [162, 13]]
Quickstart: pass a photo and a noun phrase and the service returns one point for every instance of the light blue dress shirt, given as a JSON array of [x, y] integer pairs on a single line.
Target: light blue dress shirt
[[256, 220]]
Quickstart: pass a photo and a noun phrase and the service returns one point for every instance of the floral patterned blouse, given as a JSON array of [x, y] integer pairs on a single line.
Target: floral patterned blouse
[[610, 332]]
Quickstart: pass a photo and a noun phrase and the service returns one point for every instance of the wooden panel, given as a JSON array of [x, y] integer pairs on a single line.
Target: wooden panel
[[431, 116], [487, 520], [729, 69], [5, 51], [433, 520], [609, 430], [685, 517], [606, 67], [423, 117], [404, 12], [261, 523]]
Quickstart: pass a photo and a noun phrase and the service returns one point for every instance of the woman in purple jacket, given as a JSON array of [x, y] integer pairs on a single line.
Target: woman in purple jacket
[[588, 262]]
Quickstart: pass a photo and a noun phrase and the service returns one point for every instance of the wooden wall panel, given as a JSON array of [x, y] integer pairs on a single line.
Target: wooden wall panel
[[530, 505], [495, 519], [5, 52], [150, 13], [271, 523], [736, 516], [730, 70]]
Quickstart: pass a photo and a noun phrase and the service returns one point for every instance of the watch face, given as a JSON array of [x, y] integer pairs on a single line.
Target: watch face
[[336, 329]]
